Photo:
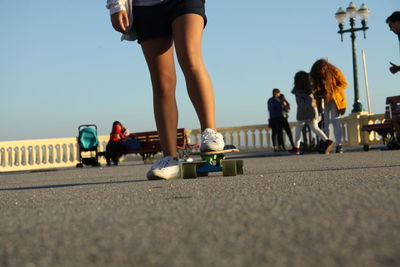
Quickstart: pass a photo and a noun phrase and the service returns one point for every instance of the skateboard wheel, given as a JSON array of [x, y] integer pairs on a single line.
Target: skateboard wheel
[[239, 166], [200, 165], [229, 168], [189, 170]]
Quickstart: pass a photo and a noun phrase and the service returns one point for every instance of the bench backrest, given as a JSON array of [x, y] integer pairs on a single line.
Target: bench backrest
[[151, 139], [392, 107]]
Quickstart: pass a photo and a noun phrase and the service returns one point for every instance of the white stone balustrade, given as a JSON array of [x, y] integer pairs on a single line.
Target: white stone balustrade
[[57, 153], [41, 153]]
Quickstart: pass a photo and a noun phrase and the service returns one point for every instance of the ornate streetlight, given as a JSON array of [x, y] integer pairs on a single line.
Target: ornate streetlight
[[341, 15]]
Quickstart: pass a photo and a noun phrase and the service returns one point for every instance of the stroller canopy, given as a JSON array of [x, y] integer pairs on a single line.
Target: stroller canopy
[[88, 138]]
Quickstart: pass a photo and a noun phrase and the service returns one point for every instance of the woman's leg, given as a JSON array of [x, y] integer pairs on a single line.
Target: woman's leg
[[108, 153], [314, 127], [327, 118], [187, 32], [298, 131], [160, 60], [274, 132], [337, 128], [288, 131], [280, 133]]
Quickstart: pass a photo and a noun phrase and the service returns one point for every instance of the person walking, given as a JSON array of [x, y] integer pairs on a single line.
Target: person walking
[[307, 112], [275, 121], [329, 83], [160, 27]]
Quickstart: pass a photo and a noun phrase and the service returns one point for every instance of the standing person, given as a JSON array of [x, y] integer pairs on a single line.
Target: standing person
[[160, 27], [394, 24], [329, 83], [286, 126], [275, 110], [307, 112]]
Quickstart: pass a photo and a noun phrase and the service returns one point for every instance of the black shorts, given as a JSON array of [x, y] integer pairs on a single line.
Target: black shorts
[[156, 21]]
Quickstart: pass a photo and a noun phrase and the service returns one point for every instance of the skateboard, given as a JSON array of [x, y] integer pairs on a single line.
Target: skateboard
[[213, 161]]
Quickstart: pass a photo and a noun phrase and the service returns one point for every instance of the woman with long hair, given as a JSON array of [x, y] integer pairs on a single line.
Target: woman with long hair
[[329, 84], [307, 112]]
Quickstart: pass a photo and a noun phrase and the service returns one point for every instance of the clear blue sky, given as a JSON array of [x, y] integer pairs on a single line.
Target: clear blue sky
[[62, 65]]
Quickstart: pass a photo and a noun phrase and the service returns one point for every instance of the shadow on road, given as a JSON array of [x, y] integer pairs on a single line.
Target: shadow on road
[[68, 185], [338, 169]]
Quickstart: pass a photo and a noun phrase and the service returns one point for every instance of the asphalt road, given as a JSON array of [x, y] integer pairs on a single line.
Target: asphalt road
[[309, 210]]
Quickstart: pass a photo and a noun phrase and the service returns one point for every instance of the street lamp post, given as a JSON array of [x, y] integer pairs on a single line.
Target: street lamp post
[[341, 15]]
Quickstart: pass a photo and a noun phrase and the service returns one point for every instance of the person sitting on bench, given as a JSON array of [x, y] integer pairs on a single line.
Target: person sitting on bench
[[115, 144]]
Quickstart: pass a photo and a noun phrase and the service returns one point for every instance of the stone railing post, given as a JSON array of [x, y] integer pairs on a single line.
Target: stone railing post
[[365, 136], [354, 123]]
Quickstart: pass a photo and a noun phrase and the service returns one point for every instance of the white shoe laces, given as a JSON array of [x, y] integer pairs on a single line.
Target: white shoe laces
[[209, 135], [162, 163]]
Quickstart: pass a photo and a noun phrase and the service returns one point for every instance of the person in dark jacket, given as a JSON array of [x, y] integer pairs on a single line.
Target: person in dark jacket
[[276, 119]]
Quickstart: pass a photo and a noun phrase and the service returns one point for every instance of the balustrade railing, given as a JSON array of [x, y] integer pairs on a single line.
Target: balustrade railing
[[57, 153], [41, 153]]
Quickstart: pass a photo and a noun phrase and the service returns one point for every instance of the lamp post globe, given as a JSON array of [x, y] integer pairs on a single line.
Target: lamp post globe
[[363, 12], [352, 12]]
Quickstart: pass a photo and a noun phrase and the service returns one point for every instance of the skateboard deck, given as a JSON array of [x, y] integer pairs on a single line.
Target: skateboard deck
[[219, 151], [213, 161]]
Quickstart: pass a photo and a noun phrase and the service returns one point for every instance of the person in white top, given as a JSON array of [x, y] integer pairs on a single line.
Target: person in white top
[[160, 26]]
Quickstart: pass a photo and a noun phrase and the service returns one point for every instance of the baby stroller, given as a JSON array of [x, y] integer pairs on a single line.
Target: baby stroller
[[88, 142]]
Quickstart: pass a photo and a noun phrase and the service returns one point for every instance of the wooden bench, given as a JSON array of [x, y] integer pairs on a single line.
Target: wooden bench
[[387, 128], [150, 144]]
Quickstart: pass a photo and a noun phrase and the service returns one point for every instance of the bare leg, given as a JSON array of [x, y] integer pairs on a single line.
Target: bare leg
[[187, 31], [160, 60]]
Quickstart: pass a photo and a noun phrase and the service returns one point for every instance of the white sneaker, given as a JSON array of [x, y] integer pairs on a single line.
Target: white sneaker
[[211, 140], [164, 168]]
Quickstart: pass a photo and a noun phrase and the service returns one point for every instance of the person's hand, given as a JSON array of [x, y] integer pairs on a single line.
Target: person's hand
[[120, 21], [394, 68]]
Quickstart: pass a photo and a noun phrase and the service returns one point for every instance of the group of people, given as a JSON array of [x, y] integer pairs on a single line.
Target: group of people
[[320, 91], [163, 27]]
